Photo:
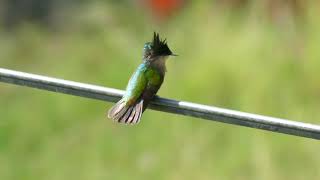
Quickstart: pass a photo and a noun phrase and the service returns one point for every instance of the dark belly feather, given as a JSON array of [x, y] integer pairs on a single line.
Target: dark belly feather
[[149, 93]]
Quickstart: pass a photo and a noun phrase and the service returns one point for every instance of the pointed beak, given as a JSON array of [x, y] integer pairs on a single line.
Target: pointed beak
[[173, 55]]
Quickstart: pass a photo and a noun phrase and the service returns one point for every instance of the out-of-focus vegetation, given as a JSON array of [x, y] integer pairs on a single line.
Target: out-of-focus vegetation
[[241, 60]]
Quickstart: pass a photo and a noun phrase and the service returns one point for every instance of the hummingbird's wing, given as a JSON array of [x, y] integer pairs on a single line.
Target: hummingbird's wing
[[129, 109], [136, 85]]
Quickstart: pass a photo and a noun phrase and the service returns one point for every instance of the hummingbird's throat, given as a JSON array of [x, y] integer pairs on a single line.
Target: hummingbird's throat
[[160, 63]]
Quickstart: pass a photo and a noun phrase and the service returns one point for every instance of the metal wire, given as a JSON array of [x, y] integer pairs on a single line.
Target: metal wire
[[162, 104]]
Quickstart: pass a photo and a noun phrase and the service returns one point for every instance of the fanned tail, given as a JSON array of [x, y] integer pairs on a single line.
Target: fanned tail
[[123, 113]]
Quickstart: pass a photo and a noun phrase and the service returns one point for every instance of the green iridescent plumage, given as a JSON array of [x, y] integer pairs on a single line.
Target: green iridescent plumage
[[143, 84]]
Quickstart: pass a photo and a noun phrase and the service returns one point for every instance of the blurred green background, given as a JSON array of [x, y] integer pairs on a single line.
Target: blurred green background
[[259, 57]]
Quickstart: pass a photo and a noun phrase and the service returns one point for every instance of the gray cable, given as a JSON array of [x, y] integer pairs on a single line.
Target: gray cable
[[163, 104]]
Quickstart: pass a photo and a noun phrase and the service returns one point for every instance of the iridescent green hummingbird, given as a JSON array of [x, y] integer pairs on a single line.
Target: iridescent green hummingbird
[[144, 83]]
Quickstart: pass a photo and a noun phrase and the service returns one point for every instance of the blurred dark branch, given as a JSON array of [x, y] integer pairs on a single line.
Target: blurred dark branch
[[18, 11], [162, 104]]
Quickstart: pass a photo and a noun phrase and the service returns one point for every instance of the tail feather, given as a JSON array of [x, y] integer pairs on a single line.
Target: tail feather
[[130, 118], [116, 109], [123, 113], [126, 116], [138, 114]]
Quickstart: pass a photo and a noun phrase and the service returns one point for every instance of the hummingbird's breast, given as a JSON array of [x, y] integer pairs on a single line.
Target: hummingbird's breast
[[154, 81], [154, 76]]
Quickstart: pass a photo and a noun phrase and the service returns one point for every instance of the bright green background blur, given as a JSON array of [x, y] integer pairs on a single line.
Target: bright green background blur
[[238, 62]]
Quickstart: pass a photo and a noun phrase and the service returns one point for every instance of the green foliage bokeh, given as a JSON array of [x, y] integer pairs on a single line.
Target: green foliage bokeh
[[225, 61]]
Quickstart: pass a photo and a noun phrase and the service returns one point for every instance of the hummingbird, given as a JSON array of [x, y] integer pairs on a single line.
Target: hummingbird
[[144, 83]]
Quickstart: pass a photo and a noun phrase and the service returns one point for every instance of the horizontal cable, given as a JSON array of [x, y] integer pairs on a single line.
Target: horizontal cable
[[164, 104]]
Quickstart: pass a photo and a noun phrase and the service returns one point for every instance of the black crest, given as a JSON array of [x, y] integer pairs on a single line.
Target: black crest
[[159, 47]]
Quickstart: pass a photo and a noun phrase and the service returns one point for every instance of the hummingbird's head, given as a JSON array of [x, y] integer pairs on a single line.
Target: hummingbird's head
[[156, 48]]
